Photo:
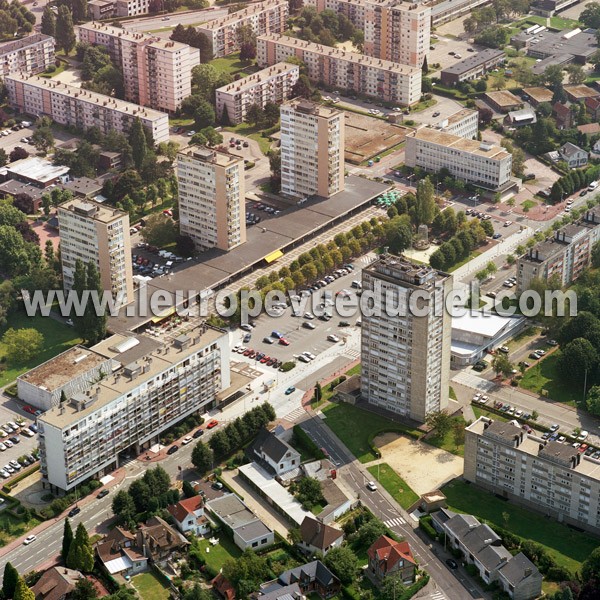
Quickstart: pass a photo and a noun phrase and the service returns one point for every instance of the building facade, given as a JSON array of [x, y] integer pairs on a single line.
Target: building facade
[[378, 78], [29, 56], [564, 257], [473, 66], [70, 105], [152, 385], [312, 150], [92, 232], [405, 357], [106, 9], [481, 163], [273, 84], [464, 123], [546, 476], [263, 17], [156, 72], [211, 198]]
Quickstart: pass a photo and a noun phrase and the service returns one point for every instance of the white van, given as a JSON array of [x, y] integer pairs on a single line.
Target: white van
[[592, 186]]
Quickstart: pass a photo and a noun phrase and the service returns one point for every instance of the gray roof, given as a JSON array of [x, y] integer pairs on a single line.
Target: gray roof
[[474, 61], [252, 531], [491, 557], [570, 149], [288, 592], [36, 38], [478, 538], [460, 524], [231, 510], [523, 115], [269, 444], [518, 568], [313, 571]]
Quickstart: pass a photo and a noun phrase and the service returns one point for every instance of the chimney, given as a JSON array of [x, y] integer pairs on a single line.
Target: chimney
[[527, 572]]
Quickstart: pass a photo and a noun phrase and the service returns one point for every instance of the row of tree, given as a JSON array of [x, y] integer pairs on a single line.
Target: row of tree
[[575, 180], [15, 19], [457, 248], [327, 27]]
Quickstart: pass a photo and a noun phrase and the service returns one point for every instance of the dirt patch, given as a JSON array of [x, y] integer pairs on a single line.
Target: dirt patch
[[423, 467], [46, 233], [366, 137]]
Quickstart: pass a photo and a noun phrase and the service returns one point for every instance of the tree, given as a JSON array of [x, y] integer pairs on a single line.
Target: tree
[[596, 255], [302, 88], [590, 569], [92, 324], [309, 492], [318, 394], [246, 573], [42, 139], [501, 364], [488, 227], [498, 81], [425, 202], [202, 458], [81, 555], [123, 507], [22, 591], [65, 32], [22, 345], [137, 141], [67, 540], [590, 15], [9, 581], [369, 532], [576, 74], [17, 153], [343, 563], [577, 358], [458, 433], [84, 590], [271, 113], [247, 42], [188, 490], [48, 26], [439, 420], [592, 400], [204, 116], [160, 230]]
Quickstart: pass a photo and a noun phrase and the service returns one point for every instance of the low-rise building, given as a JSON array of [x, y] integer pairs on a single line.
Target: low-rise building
[[389, 557], [503, 101], [449, 10], [484, 164], [56, 583], [29, 55], [318, 537], [265, 17], [313, 577], [189, 516], [538, 95], [247, 530], [70, 105], [520, 118], [274, 453], [579, 93], [573, 155], [464, 123], [563, 115], [592, 108], [472, 67], [273, 84], [336, 68], [119, 554]]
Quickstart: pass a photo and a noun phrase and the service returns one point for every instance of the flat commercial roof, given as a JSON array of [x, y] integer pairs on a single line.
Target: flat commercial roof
[[539, 94], [484, 323], [474, 61], [503, 98], [37, 168], [449, 140]]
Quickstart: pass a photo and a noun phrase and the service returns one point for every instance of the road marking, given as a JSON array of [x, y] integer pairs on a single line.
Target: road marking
[[437, 596], [395, 522], [295, 414]]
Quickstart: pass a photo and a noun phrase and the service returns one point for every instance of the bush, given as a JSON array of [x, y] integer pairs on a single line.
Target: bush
[[50, 69], [287, 366], [427, 527], [304, 442]]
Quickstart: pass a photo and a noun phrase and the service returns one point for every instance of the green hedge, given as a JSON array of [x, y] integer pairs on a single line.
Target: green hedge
[[305, 443], [7, 487], [425, 524], [414, 588], [350, 593]]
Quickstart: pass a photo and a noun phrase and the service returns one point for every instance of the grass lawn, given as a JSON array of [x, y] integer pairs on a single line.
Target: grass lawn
[[63, 65], [543, 376], [343, 418], [394, 484], [12, 528], [252, 132], [150, 587], [232, 64], [528, 205], [57, 338], [452, 394], [568, 547], [220, 553], [447, 443], [464, 261], [482, 412], [355, 370]]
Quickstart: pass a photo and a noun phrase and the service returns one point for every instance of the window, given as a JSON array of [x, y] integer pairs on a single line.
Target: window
[[254, 544]]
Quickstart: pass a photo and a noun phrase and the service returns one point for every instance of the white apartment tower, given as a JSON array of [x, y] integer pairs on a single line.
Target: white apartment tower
[[312, 150], [211, 198], [405, 353], [95, 233]]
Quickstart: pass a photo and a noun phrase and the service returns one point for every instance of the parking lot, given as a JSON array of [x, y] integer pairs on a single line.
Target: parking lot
[[25, 446]]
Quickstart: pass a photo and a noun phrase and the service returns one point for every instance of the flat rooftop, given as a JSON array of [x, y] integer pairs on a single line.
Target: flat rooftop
[[31, 40], [456, 142], [569, 41], [484, 323], [503, 98], [92, 210], [539, 94], [264, 75], [353, 57], [458, 116], [108, 102], [233, 512], [306, 106], [208, 155], [36, 168], [402, 271], [239, 15], [581, 91], [474, 61]]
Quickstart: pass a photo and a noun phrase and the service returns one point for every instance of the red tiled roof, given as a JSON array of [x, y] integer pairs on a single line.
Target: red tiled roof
[[185, 507], [390, 551], [223, 587], [592, 103], [561, 109]]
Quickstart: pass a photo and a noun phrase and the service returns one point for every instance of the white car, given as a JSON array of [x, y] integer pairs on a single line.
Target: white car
[[8, 444], [29, 539], [309, 316], [583, 436], [4, 474], [187, 440], [333, 338], [476, 397], [309, 355], [483, 399], [371, 486]]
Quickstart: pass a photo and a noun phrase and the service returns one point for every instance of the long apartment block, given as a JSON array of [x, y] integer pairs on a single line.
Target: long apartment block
[[156, 72], [105, 9], [564, 256], [70, 105], [481, 163], [121, 395], [543, 475], [263, 17], [273, 84], [388, 81], [30, 55], [395, 31]]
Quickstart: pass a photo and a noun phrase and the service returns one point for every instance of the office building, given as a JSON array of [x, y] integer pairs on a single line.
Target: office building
[[156, 72], [29, 55], [473, 66], [121, 395], [92, 232], [543, 475], [449, 10], [481, 163], [338, 69], [211, 198], [105, 9], [70, 105], [312, 150], [405, 356], [562, 258], [464, 123], [273, 84], [263, 17]]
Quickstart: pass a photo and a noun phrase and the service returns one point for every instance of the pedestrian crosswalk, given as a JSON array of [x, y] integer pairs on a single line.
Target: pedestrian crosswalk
[[353, 354], [295, 415], [437, 596], [395, 522]]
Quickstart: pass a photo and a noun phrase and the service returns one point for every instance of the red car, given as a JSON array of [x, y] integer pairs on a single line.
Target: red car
[[265, 359], [212, 424], [582, 448], [283, 342], [29, 409]]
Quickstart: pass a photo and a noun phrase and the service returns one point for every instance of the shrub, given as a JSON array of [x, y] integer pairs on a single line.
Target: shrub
[[287, 366], [427, 527]]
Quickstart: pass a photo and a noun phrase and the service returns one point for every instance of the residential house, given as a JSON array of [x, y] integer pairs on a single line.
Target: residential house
[[313, 577], [573, 155], [159, 540], [596, 148], [389, 557], [223, 587], [520, 118], [289, 592], [119, 554], [56, 583], [563, 115], [589, 128], [482, 547], [189, 516], [592, 107], [318, 537], [273, 453]]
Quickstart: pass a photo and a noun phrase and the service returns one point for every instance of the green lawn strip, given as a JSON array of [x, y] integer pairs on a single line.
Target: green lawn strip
[[218, 555], [230, 64], [543, 376], [252, 132], [344, 419], [12, 528], [482, 412], [567, 546], [464, 261], [355, 370], [58, 337], [528, 204], [447, 442], [150, 587], [402, 493], [452, 394], [263, 143]]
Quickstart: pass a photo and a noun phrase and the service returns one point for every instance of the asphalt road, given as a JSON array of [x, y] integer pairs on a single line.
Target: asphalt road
[[162, 26]]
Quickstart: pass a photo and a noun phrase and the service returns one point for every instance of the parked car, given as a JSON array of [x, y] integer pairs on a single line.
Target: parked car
[[290, 390], [198, 433], [187, 440], [103, 493], [371, 486], [212, 423], [74, 511], [172, 449]]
